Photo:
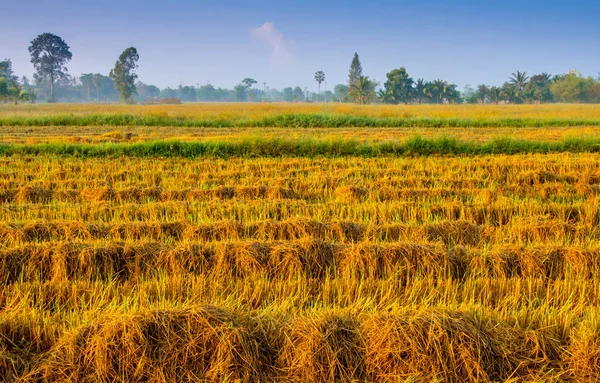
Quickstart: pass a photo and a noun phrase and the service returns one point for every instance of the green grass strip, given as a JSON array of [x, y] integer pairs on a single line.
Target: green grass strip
[[289, 121], [259, 147]]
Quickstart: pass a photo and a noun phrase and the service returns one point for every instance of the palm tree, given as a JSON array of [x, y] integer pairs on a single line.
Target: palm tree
[[495, 94], [438, 88], [451, 94], [319, 77], [420, 89], [518, 81], [363, 90], [15, 92], [385, 96], [546, 76], [18, 93]]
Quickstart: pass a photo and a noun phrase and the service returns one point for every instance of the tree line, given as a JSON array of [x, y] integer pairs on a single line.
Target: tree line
[[50, 55]]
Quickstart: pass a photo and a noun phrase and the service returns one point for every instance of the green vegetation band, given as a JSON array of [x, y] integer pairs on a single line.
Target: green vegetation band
[[307, 120], [303, 148]]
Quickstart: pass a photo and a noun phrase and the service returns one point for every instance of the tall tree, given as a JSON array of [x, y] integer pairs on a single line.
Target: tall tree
[[355, 70], [319, 78], [123, 74], [519, 82], [247, 83], [363, 90], [49, 56], [398, 87]]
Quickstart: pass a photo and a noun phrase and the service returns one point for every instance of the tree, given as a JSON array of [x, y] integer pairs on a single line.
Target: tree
[[148, 93], [288, 94], [420, 90], [241, 92], [96, 81], [6, 70], [87, 81], [363, 90], [168, 93], [123, 74], [16, 92], [207, 93], [508, 92], [298, 94], [340, 93], [495, 94], [355, 70], [441, 90], [247, 83], [3, 88], [482, 93], [49, 56], [187, 93], [319, 78], [572, 87], [398, 87], [538, 88], [518, 81], [385, 96]]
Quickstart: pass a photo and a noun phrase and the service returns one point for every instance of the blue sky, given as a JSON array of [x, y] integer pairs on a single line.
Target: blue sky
[[285, 42]]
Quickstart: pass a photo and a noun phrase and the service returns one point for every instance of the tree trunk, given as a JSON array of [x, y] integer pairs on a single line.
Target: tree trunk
[[52, 87]]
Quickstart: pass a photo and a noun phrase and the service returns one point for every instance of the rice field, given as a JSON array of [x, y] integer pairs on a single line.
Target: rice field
[[297, 266]]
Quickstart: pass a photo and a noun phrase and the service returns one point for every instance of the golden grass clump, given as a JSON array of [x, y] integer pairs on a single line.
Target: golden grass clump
[[21, 344], [204, 344], [454, 347], [457, 232], [584, 359], [327, 349], [352, 193], [33, 194]]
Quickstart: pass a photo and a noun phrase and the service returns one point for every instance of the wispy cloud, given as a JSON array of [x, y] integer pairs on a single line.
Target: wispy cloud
[[281, 55]]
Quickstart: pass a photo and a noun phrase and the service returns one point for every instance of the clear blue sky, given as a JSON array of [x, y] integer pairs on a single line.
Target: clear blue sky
[[285, 42]]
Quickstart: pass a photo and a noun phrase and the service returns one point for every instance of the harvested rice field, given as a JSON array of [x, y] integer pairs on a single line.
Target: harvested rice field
[[265, 261]]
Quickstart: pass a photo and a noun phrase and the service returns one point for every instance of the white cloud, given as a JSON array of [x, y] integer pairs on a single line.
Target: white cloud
[[281, 55]]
